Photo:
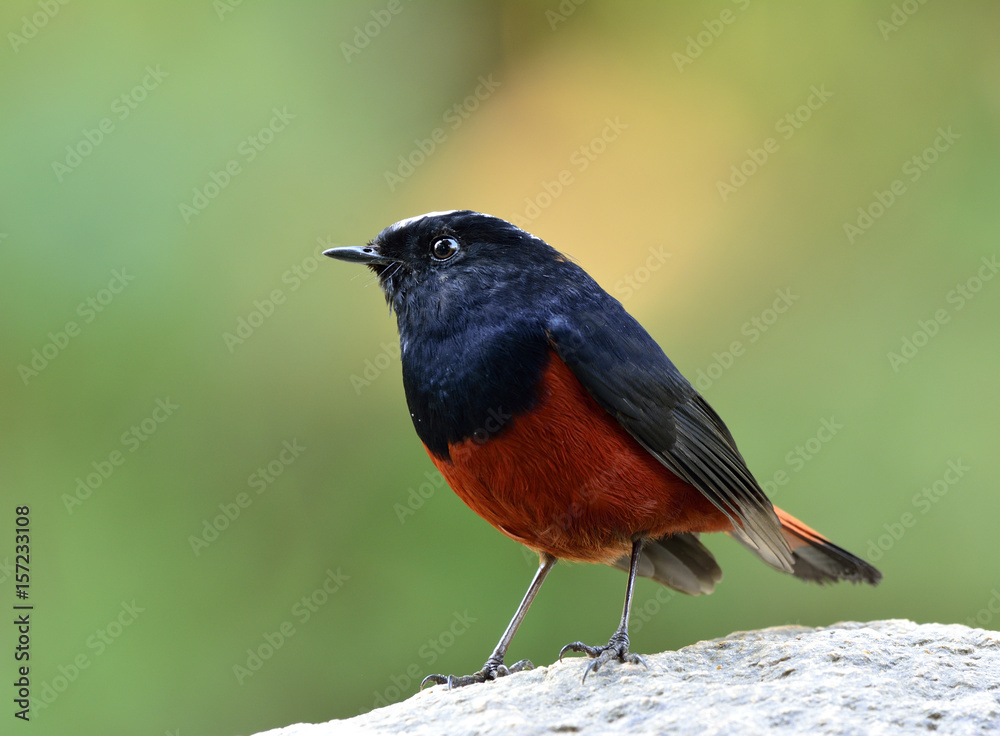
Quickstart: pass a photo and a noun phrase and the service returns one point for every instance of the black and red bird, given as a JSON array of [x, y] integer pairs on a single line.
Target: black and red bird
[[555, 416]]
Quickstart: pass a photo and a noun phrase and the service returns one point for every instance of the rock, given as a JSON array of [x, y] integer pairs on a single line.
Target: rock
[[892, 676]]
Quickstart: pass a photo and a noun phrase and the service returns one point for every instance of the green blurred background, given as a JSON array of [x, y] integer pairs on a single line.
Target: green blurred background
[[337, 119]]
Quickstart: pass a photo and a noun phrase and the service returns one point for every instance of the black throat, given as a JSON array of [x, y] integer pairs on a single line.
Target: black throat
[[470, 381]]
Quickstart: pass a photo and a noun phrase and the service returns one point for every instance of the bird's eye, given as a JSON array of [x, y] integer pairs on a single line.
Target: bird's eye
[[444, 248]]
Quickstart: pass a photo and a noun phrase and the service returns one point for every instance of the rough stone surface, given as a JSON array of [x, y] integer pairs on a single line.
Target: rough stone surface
[[883, 677]]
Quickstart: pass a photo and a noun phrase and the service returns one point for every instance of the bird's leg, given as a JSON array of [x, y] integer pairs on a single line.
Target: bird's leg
[[617, 647], [494, 666]]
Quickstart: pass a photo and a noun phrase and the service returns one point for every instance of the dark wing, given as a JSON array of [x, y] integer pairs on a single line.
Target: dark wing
[[628, 375]]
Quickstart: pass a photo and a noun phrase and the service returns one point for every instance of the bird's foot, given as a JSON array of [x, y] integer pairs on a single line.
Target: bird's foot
[[493, 669], [617, 648]]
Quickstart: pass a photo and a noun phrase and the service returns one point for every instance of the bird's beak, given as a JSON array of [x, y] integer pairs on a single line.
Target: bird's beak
[[367, 254]]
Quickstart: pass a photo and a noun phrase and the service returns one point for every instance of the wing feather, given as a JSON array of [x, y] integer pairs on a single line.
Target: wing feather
[[628, 374]]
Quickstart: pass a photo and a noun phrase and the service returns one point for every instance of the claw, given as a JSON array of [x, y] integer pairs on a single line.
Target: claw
[[437, 680], [490, 671], [576, 646], [617, 648]]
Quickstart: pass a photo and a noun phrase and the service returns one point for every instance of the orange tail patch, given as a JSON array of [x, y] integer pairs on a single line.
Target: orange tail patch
[[796, 533], [819, 559]]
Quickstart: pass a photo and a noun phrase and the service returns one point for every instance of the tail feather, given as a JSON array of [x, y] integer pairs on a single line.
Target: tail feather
[[678, 561], [818, 559], [682, 562]]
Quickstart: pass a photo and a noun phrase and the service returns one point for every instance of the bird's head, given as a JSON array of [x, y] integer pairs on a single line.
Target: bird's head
[[451, 259]]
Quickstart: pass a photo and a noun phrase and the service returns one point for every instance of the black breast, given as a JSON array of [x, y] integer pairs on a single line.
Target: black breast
[[470, 383]]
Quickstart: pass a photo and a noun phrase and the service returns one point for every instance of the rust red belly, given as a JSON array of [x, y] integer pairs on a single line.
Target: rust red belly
[[567, 479]]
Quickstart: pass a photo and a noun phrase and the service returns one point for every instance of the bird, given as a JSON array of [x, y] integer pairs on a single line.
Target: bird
[[556, 417]]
